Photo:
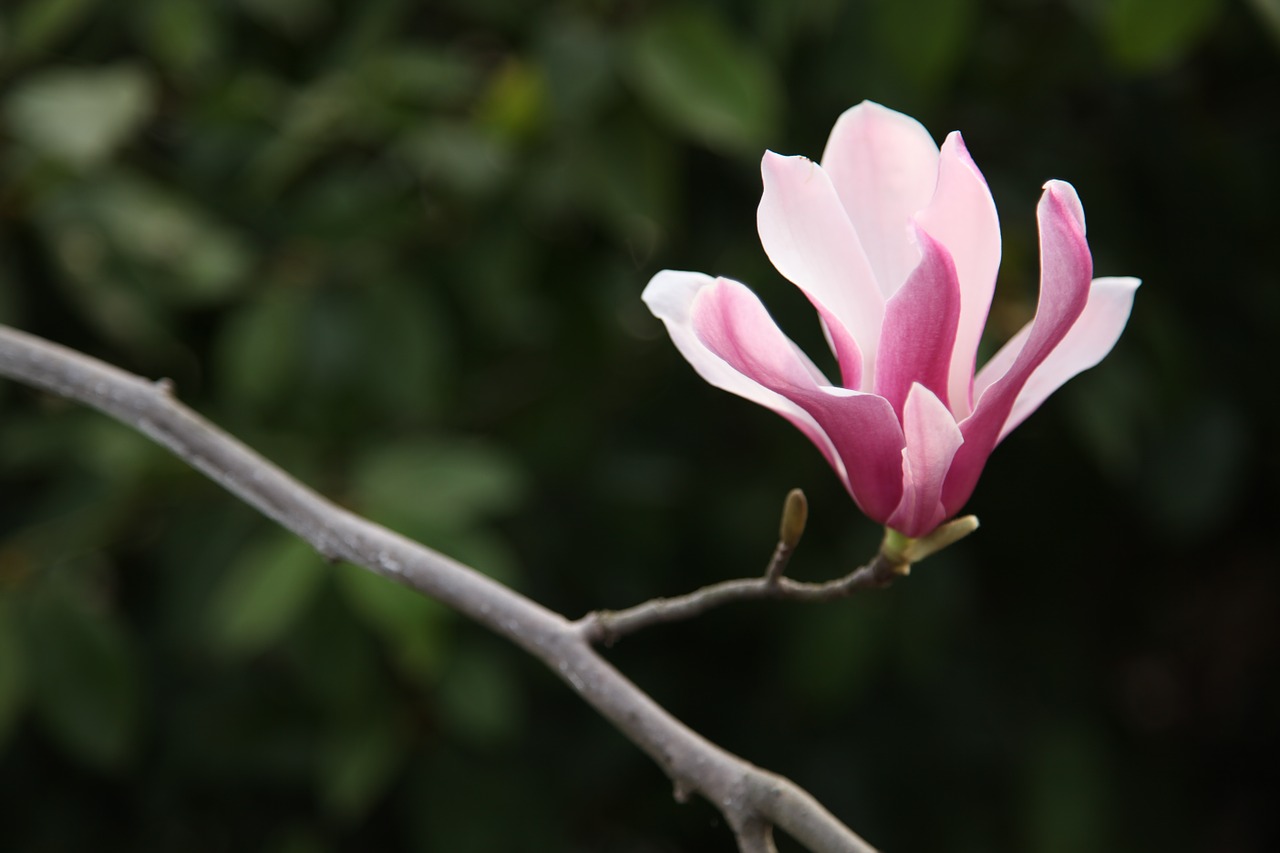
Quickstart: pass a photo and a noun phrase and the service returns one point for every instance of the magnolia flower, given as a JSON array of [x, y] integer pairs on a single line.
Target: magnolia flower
[[896, 243]]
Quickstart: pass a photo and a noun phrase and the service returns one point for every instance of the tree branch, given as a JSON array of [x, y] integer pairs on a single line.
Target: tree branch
[[751, 799]]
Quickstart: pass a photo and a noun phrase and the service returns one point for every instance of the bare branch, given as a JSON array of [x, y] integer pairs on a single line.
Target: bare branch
[[751, 799]]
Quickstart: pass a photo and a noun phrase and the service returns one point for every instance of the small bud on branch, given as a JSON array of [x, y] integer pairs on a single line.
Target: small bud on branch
[[795, 514]]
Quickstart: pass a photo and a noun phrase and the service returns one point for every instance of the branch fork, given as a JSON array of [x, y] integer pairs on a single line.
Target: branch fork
[[753, 801]]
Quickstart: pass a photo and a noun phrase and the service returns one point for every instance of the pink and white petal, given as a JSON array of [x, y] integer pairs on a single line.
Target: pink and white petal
[[962, 216], [932, 438], [884, 166], [672, 295], [733, 323], [1090, 339], [862, 428], [919, 330], [848, 355], [808, 237], [1066, 269], [868, 436], [998, 365]]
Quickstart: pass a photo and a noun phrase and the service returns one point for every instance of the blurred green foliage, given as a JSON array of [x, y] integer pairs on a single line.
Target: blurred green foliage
[[399, 246]]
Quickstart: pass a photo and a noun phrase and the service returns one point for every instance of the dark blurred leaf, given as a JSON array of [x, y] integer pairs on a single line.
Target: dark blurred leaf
[[830, 654], [456, 156], [579, 58], [293, 17], [413, 627], [1148, 34], [13, 668], [80, 116], [261, 346], [120, 231], [421, 77], [37, 26], [1269, 12], [781, 23], [478, 697], [1195, 468], [925, 39], [85, 676], [357, 764], [702, 78], [633, 177], [186, 35], [296, 839], [263, 594], [437, 483], [1070, 794], [515, 102]]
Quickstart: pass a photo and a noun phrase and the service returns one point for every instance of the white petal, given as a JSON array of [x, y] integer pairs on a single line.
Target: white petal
[[884, 165], [808, 237]]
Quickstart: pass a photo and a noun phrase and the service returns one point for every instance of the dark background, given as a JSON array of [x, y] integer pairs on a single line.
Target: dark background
[[399, 247]]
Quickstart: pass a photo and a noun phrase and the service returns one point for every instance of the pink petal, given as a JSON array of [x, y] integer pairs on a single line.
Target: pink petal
[[932, 441], [671, 296], [1065, 271], [920, 327], [962, 216], [730, 321], [808, 237], [884, 165], [1090, 339]]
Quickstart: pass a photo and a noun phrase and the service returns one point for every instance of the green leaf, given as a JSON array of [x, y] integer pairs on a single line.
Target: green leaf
[[416, 75], [197, 260], [263, 594], [85, 678], [705, 81], [261, 345], [1150, 34], [437, 484], [80, 116]]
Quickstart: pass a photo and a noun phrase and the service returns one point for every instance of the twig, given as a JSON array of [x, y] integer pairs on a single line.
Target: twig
[[607, 626], [747, 795]]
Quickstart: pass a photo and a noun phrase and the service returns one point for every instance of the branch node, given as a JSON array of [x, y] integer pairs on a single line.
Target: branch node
[[596, 628], [165, 386]]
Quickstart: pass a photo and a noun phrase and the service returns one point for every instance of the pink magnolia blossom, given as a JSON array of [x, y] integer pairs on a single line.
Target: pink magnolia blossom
[[896, 243]]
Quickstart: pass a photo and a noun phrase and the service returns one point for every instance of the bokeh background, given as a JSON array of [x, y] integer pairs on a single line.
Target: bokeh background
[[399, 247]]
